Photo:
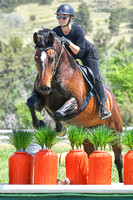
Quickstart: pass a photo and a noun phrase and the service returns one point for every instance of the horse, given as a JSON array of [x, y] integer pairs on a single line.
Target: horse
[[60, 88]]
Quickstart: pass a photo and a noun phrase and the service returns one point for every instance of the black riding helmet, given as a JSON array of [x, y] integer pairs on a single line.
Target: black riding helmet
[[65, 9]]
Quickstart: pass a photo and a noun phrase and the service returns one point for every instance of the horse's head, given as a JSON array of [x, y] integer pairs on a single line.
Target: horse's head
[[45, 58]]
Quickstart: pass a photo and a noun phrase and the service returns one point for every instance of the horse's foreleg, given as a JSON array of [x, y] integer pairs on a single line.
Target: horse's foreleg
[[36, 123], [68, 108], [60, 127], [118, 161], [32, 102]]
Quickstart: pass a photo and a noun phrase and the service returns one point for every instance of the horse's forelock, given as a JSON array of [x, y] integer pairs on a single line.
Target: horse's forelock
[[44, 37]]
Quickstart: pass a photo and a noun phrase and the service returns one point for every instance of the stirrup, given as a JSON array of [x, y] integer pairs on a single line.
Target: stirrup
[[105, 117]]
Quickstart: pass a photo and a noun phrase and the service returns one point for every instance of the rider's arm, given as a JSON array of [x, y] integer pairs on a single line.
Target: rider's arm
[[78, 48], [74, 48]]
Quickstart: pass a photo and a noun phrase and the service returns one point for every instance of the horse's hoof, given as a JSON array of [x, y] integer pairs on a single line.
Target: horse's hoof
[[58, 116], [42, 123]]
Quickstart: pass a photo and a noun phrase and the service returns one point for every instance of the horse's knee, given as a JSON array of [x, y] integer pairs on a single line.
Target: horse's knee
[[32, 101], [68, 108]]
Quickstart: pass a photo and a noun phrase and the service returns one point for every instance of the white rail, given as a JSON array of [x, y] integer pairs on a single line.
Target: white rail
[[115, 188]]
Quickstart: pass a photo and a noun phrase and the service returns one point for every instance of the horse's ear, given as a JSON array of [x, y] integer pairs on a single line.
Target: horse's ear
[[35, 38], [51, 37]]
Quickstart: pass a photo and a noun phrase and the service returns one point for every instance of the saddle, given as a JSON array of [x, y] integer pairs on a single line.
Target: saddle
[[88, 75]]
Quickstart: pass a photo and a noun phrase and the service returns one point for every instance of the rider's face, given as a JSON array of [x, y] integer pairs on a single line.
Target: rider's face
[[63, 19]]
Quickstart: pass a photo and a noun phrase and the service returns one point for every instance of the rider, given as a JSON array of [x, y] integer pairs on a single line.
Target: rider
[[74, 40]]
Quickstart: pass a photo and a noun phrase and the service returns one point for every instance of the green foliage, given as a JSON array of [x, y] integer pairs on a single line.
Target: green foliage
[[17, 74], [16, 43], [76, 136], [122, 45], [5, 152], [9, 5], [45, 136], [24, 114], [20, 139], [118, 16], [101, 40], [119, 72], [127, 138], [82, 17], [101, 136], [127, 113], [114, 23], [121, 78], [131, 18]]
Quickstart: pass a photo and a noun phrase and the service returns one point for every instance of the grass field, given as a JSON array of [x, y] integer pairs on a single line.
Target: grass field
[[60, 148], [45, 17]]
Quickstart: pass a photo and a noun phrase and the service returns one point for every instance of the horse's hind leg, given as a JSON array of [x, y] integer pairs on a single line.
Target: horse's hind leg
[[68, 108], [88, 147], [32, 102], [118, 161]]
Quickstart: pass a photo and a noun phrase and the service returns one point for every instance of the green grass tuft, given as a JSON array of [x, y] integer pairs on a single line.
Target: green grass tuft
[[102, 136], [76, 136], [20, 139], [127, 139], [45, 136]]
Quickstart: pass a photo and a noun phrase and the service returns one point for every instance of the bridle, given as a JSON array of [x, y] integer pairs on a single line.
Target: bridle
[[47, 48]]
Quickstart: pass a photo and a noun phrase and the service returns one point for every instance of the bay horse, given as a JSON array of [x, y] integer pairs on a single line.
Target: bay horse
[[60, 88]]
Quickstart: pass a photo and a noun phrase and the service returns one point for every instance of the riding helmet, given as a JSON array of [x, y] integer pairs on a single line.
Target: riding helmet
[[65, 9]]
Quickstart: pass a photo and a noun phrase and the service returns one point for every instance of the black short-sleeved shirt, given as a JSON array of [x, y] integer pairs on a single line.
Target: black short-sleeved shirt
[[77, 37]]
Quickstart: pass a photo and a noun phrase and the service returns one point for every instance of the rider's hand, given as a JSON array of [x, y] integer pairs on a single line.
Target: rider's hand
[[65, 41]]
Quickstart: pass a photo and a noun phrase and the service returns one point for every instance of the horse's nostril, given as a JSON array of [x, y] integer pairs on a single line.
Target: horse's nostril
[[45, 90]]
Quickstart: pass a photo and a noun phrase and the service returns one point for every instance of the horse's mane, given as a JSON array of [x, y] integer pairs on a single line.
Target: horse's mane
[[43, 35]]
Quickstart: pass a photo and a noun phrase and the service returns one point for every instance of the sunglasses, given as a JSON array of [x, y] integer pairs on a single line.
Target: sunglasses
[[61, 16]]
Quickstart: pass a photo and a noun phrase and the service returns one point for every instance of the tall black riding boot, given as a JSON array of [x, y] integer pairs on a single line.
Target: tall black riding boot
[[104, 112]]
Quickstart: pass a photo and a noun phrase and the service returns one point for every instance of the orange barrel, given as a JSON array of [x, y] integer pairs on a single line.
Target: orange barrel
[[128, 168], [100, 168], [46, 166], [77, 167], [21, 168]]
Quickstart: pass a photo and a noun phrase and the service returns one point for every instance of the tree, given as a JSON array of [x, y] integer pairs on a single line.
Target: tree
[[82, 17], [16, 70], [119, 72], [131, 19], [101, 40], [114, 23], [16, 43]]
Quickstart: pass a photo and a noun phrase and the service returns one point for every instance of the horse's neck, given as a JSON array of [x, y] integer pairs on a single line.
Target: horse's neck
[[67, 64]]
